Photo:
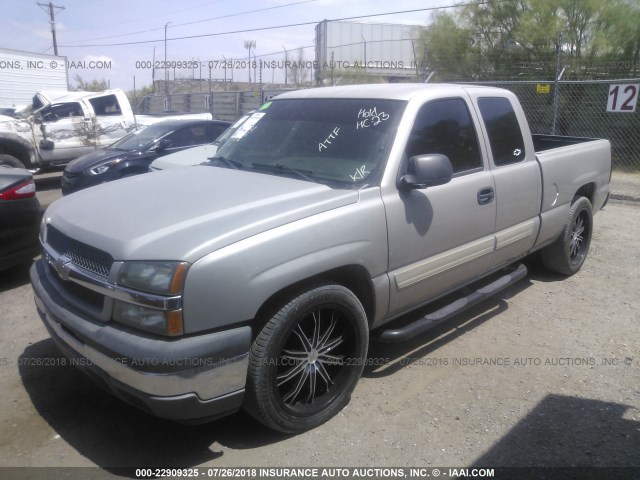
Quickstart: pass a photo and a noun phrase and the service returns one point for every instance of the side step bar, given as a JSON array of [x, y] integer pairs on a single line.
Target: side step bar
[[445, 313]]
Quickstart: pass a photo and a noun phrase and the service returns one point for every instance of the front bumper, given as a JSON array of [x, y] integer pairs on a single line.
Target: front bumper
[[195, 378]]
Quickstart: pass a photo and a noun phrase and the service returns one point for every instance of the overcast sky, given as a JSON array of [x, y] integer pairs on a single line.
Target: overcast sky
[[104, 23]]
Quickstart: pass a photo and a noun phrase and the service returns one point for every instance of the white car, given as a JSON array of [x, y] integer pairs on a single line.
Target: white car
[[196, 155]]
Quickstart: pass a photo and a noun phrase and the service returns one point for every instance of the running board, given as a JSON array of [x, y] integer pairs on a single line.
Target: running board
[[445, 313]]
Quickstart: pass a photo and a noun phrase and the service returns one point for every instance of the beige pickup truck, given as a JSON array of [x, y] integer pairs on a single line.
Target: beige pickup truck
[[258, 279]]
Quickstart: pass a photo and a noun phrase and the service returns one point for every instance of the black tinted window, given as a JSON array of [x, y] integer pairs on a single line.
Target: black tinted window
[[107, 105], [446, 127], [503, 129], [193, 135], [58, 111], [215, 131]]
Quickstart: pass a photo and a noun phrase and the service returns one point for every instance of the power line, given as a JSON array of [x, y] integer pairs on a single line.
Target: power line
[[278, 26], [195, 21]]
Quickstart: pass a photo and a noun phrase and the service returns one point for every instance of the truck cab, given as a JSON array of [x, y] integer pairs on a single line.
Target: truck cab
[[69, 126]]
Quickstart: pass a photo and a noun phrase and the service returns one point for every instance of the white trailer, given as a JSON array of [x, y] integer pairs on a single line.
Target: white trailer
[[22, 74]]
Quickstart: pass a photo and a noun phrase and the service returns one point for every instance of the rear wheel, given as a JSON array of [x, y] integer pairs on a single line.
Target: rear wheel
[[307, 359], [10, 161], [569, 251]]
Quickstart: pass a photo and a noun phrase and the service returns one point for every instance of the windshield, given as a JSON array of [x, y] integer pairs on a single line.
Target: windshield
[[230, 131], [338, 142], [141, 139]]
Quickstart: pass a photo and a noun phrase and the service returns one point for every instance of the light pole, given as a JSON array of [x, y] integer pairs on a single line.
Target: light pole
[[249, 44], [365, 55], [166, 71]]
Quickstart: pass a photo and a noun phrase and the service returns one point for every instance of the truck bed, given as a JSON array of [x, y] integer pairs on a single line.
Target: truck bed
[[570, 165], [547, 142]]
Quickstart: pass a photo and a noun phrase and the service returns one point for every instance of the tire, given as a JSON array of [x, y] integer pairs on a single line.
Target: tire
[[11, 161], [569, 251], [306, 361]]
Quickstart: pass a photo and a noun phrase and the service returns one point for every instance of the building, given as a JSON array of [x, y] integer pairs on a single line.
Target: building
[[383, 50]]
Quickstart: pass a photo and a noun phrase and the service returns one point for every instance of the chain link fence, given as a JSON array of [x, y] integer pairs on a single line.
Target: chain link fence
[[589, 109], [572, 108]]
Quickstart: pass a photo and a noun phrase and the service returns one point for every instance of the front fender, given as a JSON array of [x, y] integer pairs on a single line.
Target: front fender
[[230, 285]]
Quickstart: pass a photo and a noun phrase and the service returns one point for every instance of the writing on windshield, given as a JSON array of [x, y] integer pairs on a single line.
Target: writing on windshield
[[339, 142]]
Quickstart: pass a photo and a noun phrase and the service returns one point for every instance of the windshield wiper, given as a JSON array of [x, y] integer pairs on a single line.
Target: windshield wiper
[[229, 162], [278, 167]]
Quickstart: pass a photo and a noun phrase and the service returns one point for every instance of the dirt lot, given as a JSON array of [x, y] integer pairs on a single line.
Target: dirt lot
[[548, 374]]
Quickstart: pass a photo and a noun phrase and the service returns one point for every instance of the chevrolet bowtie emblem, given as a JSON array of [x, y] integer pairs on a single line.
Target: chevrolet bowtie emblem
[[61, 265]]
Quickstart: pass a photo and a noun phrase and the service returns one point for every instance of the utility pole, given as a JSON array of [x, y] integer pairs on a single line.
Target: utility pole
[[166, 70], [52, 16]]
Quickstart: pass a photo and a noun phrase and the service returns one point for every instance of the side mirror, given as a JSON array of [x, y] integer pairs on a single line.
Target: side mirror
[[426, 171], [46, 144]]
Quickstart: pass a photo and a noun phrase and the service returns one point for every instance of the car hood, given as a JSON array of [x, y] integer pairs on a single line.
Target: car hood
[[97, 157], [184, 214], [185, 158]]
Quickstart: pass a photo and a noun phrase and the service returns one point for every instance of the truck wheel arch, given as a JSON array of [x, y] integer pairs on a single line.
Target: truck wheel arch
[[588, 191], [353, 277]]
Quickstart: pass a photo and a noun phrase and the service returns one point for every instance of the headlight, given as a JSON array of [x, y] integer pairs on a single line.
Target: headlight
[[162, 322], [104, 167], [163, 278], [157, 278]]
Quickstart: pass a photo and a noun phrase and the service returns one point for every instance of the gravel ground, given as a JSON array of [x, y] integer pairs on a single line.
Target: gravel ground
[[547, 374]]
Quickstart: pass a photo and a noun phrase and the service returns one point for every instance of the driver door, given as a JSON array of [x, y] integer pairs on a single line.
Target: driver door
[[67, 131], [441, 237]]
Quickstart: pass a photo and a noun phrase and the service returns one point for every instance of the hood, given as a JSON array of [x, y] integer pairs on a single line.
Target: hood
[[97, 157], [186, 213], [185, 158]]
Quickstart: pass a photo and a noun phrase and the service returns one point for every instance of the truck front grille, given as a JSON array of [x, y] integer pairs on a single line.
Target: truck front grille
[[81, 254], [80, 293]]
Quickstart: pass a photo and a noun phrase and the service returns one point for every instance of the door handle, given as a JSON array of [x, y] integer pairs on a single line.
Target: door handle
[[485, 195]]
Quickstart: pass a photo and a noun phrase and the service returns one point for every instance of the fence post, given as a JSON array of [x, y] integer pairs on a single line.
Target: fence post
[[556, 85]]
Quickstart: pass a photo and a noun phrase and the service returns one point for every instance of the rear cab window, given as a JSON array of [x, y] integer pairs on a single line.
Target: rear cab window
[[106, 106], [503, 130]]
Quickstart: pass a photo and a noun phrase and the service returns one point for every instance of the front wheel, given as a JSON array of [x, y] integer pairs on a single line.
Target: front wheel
[[10, 161], [569, 251], [308, 358]]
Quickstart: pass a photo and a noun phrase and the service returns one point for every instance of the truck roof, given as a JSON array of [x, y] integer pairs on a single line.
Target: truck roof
[[390, 91]]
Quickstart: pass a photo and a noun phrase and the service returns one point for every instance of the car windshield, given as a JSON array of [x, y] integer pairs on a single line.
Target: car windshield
[[230, 131], [338, 142], [141, 139]]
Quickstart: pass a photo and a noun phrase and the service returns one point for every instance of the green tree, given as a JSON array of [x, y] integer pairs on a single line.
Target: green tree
[[298, 71], [136, 97], [446, 48], [519, 38], [92, 86]]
